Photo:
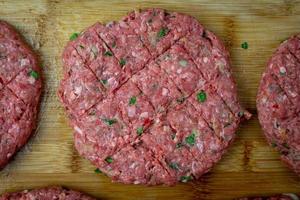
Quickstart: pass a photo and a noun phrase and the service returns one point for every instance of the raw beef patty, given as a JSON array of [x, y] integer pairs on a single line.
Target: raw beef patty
[[51, 193], [151, 98], [20, 88], [278, 102], [287, 196]]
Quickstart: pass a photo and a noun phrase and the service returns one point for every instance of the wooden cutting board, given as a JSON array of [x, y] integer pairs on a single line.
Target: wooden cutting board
[[250, 167]]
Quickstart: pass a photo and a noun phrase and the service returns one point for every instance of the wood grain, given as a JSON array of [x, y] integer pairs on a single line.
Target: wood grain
[[250, 167]]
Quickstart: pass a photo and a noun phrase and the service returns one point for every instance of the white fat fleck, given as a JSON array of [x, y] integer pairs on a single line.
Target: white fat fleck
[[166, 128], [213, 145], [157, 120], [264, 100], [179, 71], [132, 166], [31, 80], [136, 182], [205, 59], [200, 147], [131, 111], [8, 155], [144, 115], [78, 90], [14, 128], [293, 94], [282, 70], [78, 129], [165, 91], [24, 62], [201, 82]]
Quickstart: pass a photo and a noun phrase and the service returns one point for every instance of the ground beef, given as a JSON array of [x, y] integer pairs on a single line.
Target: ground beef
[[287, 196], [278, 102], [50, 193], [151, 98], [20, 88]]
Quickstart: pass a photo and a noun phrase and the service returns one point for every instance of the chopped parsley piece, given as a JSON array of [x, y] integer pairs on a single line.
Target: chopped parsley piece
[[108, 53], [98, 171], [190, 139], [183, 63], [162, 32], [74, 36], [244, 45], [113, 45], [109, 159], [33, 74], [81, 46], [173, 165], [274, 144], [201, 96], [178, 145], [185, 179], [110, 121], [241, 114], [122, 62], [132, 100], [286, 145], [104, 81], [140, 130]]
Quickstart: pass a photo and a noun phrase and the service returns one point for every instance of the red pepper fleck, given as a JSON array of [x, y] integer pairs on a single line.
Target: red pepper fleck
[[147, 122]]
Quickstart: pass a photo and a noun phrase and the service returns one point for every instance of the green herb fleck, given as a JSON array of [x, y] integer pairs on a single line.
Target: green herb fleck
[[185, 179], [286, 145], [132, 100], [74, 36], [104, 81], [244, 45], [140, 130], [183, 63], [108, 53], [98, 171], [241, 114], [109, 159], [33, 74], [178, 145], [81, 46], [201, 96], [113, 45], [162, 32], [274, 144], [122, 62], [110, 121], [190, 139], [173, 165]]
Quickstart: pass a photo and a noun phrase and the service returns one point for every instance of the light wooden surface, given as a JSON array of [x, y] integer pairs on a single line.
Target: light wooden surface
[[250, 167]]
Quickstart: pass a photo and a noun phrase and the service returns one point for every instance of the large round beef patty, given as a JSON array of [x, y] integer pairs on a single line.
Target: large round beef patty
[[50, 193], [20, 88], [287, 196], [151, 97], [278, 101]]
